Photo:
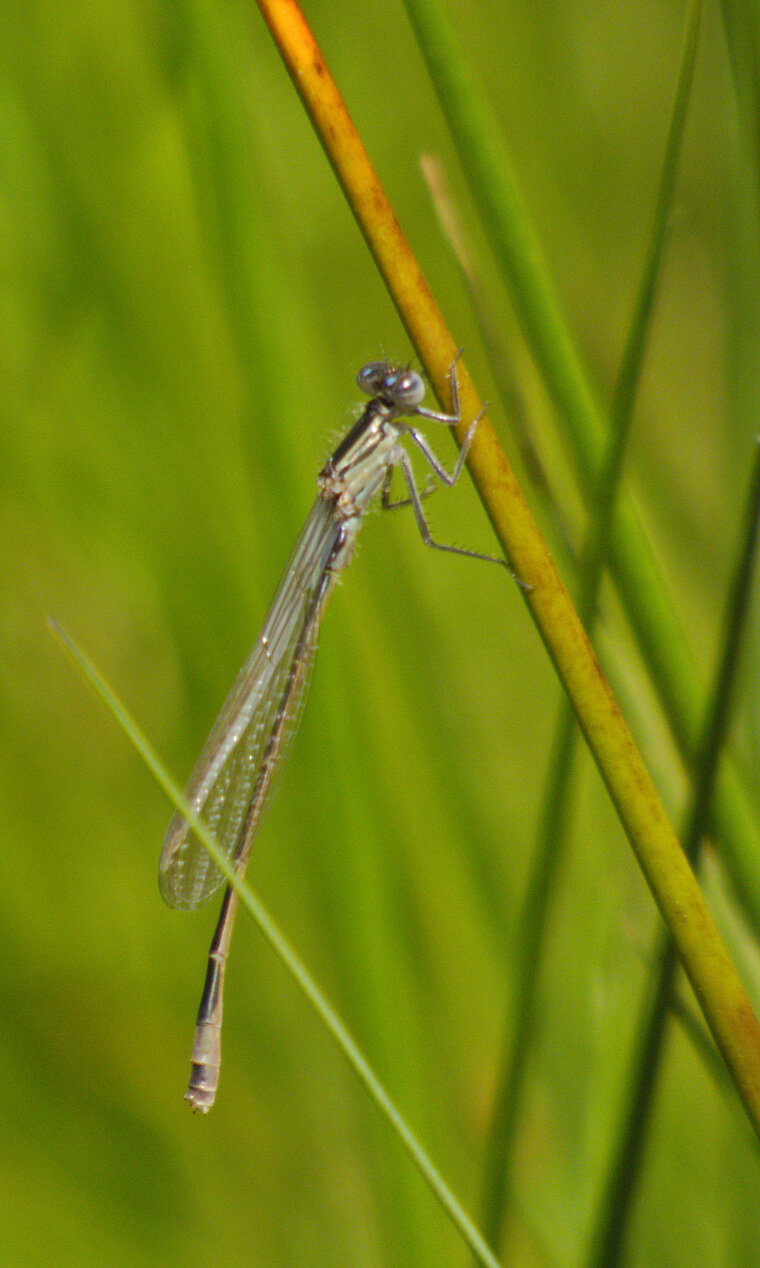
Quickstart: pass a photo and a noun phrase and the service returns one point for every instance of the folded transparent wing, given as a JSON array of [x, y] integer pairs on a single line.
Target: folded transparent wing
[[227, 771]]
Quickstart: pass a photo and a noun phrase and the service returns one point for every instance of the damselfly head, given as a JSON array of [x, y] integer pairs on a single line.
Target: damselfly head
[[403, 388]]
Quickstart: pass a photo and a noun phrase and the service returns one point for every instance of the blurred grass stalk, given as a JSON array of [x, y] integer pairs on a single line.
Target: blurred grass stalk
[[607, 1243]]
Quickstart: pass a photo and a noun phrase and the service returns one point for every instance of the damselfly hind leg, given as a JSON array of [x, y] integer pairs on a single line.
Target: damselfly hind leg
[[404, 462]]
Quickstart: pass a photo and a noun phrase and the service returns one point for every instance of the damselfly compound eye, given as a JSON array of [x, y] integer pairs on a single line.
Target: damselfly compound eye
[[372, 377], [405, 388]]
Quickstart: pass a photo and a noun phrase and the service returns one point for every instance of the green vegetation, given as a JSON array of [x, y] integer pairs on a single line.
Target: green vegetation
[[185, 303]]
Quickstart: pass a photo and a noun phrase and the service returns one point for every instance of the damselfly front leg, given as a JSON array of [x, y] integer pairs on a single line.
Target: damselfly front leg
[[402, 460]]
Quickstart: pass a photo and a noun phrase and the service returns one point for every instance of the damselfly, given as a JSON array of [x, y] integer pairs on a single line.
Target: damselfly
[[235, 775]]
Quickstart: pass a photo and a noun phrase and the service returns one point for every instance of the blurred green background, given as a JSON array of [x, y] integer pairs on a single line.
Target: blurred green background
[[185, 302]]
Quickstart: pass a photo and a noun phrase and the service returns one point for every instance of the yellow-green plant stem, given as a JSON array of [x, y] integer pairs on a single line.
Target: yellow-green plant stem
[[665, 867], [477, 134], [554, 826]]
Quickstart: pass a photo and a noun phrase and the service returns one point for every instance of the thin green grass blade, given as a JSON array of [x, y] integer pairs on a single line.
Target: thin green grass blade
[[290, 960]]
